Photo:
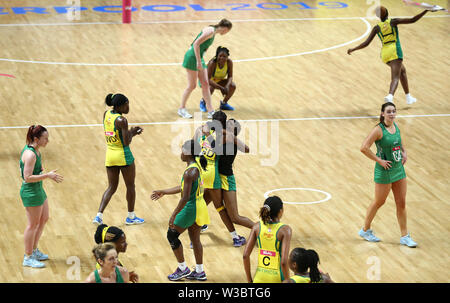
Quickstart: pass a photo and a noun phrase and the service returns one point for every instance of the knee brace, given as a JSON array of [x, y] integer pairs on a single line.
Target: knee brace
[[172, 237]]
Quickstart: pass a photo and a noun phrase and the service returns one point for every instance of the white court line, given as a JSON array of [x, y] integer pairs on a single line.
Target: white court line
[[254, 120], [203, 21], [368, 28], [327, 195], [200, 21]]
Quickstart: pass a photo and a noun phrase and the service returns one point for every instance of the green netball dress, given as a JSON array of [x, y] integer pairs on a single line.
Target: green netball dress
[[195, 210], [32, 194], [190, 62], [119, 278], [389, 149]]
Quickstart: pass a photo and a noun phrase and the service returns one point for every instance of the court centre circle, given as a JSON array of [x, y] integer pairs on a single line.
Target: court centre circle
[[327, 195]]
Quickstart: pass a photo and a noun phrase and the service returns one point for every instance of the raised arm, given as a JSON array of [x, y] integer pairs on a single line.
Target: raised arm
[[414, 19], [369, 39]]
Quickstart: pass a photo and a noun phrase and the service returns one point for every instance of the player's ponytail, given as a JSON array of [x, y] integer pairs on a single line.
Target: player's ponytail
[[307, 259], [34, 131], [270, 210], [223, 23], [313, 260]]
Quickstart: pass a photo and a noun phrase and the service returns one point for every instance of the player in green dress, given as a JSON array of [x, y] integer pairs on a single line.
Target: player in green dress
[[196, 68], [389, 172], [110, 271], [32, 193]]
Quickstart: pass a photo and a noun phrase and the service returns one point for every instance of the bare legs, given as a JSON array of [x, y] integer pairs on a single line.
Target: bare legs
[[129, 175], [230, 200], [37, 217], [381, 193], [194, 236], [398, 73], [215, 195], [192, 76], [230, 91]]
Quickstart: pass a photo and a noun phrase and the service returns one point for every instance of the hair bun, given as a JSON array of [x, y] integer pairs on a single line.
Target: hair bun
[[108, 100]]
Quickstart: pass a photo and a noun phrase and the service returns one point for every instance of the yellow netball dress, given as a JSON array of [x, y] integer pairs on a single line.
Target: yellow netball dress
[[220, 73], [195, 209], [391, 48], [303, 279], [211, 177], [269, 254], [116, 153]]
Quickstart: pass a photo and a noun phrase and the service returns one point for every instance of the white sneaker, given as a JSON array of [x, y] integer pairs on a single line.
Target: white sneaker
[[410, 100], [182, 112], [389, 98], [210, 114]]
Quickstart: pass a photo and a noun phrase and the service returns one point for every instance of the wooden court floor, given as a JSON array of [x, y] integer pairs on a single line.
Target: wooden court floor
[[306, 106]]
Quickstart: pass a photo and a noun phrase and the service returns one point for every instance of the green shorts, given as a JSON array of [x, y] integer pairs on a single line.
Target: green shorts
[[190, 62], [228, 182], [186, 217], [32, 194], [387, 176]]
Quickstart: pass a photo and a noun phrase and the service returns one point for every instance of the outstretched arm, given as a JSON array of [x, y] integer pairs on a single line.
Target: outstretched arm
[[156, 194], [369, 39], [414, 19]]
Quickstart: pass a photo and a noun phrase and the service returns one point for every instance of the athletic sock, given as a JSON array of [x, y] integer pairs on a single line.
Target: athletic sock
[[182, 266], [199, 268]]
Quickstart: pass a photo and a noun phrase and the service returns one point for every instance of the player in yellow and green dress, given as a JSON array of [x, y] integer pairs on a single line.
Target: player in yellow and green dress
[[118, 156], [273, 241], [303, 262], [220, 75], [191, 212], [391, 50]]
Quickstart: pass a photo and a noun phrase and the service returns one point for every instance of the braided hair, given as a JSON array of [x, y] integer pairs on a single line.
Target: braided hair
[[221, 49]]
